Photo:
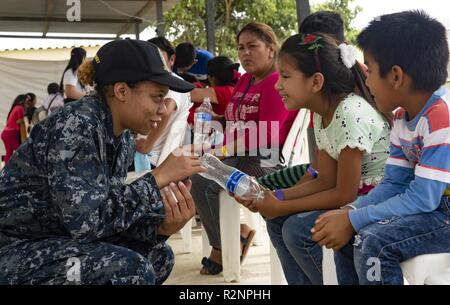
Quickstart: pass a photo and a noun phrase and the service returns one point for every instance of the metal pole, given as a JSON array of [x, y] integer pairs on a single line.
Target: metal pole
[[136, 30], [159, 18], [210, 28], [303, 10]]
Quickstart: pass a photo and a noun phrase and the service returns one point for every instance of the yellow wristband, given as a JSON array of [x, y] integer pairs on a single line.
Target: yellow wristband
[[447, 192], [224, 150]]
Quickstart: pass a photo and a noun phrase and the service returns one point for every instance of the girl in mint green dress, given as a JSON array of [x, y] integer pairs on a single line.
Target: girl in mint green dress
[[352, 138]]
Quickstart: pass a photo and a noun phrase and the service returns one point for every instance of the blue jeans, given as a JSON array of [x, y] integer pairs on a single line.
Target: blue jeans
[[375, 254], [300, 256]]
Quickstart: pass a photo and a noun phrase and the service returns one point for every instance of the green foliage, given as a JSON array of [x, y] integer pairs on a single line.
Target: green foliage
[[186, 21]]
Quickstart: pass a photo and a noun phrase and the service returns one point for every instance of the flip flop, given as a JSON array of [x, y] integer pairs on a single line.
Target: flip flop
[[211, 266], [246, 243]]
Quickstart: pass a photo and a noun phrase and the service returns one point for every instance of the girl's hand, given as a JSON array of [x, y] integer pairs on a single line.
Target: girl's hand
[[269, 207], [333, 229]]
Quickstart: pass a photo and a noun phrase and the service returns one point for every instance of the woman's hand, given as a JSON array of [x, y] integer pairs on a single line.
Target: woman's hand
[[178, 206], [179, 165]]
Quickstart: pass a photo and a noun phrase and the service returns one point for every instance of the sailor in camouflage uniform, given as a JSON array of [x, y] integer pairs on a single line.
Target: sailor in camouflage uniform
[[63, 195]]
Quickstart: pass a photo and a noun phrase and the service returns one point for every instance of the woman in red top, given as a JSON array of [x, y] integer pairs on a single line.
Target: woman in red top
[[222, 76], [11, 133], [254, 104]]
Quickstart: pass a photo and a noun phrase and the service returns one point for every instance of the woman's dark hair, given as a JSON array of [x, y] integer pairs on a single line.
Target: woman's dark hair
[[338, 79], [223, 69], [77, 55], [19, 100], [52, 88], [31, 96], [264, 32]]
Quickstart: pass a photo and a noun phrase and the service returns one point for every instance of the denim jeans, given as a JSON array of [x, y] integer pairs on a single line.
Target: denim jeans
[[375, 254], [300, 256]]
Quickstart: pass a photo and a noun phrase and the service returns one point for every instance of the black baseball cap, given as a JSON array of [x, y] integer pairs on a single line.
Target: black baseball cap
[[131, 60]]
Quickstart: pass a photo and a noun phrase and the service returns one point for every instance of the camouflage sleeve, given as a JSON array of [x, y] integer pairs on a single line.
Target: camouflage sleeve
[[93, 206]]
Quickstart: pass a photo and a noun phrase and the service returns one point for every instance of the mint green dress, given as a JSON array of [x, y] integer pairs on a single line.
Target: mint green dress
[[356, 124]]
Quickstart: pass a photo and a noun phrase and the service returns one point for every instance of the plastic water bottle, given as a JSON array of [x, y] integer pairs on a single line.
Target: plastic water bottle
[[231, 179], [202, 122]]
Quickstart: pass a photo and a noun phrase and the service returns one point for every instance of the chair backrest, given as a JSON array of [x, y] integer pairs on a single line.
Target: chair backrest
[[175, 137], [295, 149]]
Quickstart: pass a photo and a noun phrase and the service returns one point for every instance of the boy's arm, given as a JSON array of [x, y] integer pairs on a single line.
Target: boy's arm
[[398, 173], [396, 180], [422, 196], [424, 193]]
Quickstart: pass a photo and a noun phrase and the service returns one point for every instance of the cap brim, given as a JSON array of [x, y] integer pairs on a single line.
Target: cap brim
[[174, 83]]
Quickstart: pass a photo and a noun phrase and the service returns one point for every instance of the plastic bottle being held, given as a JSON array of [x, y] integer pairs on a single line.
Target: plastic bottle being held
[[231, 179], [202, 122]]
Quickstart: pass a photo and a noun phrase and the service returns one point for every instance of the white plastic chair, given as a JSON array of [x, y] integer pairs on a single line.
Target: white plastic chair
[[423, 268], [328, 267], [442, 278], [175, 140], [230, 209]]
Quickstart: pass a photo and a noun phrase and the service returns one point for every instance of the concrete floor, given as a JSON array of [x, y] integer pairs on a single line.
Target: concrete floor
[[254, 271]]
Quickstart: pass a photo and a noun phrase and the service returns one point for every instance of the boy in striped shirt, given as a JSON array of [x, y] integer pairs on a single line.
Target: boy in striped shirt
[[408, 213]]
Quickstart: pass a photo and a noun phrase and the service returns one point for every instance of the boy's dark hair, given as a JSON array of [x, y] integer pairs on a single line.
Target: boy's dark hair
[[324, 22], [338, 79], [52, 88], [186, 54], [412, 40], [163, 44], [223, 69]]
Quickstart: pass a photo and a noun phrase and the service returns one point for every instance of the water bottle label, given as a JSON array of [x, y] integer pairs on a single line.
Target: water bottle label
[[233, 180], [203, 116]]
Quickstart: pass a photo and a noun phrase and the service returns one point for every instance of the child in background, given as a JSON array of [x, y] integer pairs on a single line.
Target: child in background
[[10, 135], [222, 75]]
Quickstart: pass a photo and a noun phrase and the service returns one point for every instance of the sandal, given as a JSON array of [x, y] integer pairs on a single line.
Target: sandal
[[246, 243], [210, 266]]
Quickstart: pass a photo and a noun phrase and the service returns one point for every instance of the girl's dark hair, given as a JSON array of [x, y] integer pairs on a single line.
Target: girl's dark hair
[[77, 55], [338, 79], [19, 100], [223, 69]]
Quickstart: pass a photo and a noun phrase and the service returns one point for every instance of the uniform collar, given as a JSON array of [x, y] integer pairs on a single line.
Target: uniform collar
[[106, 116]]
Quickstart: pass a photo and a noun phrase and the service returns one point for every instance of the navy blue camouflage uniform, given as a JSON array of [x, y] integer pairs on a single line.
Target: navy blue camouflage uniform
[[63, 195]]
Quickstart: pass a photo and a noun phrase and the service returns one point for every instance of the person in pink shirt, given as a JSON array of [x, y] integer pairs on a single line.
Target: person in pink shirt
[[251, 144], [11, 133]]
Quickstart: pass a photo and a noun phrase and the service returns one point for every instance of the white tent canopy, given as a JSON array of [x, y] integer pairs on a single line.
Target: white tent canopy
[[97, 16]]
